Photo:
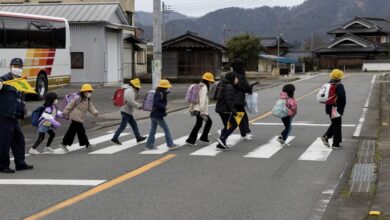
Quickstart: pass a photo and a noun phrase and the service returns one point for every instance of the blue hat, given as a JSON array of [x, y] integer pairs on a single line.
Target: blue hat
[[17, 61]]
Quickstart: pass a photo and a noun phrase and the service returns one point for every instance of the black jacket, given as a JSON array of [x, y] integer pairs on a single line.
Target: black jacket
[[341, 99], [241, 89], [226, 103], [12, 103], [159, 105]]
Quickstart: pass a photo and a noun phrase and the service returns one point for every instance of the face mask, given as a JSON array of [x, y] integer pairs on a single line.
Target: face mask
[[16, 71], [55, 102], [88, 95]]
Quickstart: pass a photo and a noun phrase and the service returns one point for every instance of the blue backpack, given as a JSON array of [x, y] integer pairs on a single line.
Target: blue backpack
[[36, 114]]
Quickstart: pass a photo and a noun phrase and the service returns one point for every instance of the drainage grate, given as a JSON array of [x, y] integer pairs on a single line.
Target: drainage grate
[[366, 151], [362, 180]]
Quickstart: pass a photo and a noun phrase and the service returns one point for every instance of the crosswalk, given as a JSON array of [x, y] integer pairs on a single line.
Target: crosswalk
[[316, 151]]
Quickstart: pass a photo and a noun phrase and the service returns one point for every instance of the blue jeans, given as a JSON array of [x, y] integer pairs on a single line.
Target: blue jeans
[[151, 138], [287, 127], [127, 118]]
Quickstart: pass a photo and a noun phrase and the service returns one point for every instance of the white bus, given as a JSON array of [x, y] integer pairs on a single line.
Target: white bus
[[44, 45]]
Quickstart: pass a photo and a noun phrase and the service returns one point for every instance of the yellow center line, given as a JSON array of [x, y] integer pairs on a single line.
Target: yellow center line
[[100, 188]]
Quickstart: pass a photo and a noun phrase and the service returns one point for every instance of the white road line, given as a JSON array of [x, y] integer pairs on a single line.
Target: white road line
[[316, 152], [51, 182], [303, 124], [365, 108], [125, 145], [164, 148], [269, 149], [211, 149]]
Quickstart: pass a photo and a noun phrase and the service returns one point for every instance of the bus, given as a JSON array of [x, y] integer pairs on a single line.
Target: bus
[[44, 45]]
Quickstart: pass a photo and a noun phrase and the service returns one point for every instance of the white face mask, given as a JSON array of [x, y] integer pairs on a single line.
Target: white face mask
[[88, 94], [16, 71], [55, 102]]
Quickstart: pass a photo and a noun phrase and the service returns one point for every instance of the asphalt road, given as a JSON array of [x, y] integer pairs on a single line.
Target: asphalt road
[[255, 180]]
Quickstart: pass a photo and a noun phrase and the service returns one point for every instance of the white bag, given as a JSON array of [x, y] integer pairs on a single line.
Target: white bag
[[251, 103], [280, 109], [323, 94]]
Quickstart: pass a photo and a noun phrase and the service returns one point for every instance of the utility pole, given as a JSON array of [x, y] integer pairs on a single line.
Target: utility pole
[[277, 59], [157, 51], [166, 10]]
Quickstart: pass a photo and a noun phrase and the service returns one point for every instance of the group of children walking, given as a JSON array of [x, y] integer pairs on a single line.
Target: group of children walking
[[230, 94]]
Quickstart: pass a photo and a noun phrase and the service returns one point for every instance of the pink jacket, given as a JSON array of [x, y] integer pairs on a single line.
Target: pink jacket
[[291, 104]]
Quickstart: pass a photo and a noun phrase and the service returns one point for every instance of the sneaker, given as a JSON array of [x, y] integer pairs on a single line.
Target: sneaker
[[64, 148], [49, 150], [336, 147], [116, 142], [7, 170], [33, 151], [25, 167], [150, 148], [204, 140], [140, 139], [220, 147], [174, 147], [90, 147], [190, 143], [247, 137], [324, 140], [280, 140], [223, 143]]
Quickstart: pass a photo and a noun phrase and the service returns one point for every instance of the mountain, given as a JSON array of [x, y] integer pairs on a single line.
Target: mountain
[[296, 24], [146, 18]]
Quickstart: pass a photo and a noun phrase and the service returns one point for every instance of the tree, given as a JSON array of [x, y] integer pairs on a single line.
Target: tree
[[247, 47]]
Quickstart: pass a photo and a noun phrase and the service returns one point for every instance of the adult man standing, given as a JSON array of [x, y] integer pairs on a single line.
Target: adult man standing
[[12, 108]]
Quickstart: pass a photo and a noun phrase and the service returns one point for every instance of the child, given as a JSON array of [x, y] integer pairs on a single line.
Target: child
[[48, 122], [157, 116], [288, 95], [201, 111], [77, 110], [131, 93]]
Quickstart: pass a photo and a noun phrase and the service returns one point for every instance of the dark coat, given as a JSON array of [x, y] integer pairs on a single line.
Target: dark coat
[[159, 105], [12, 103], [226, 103], [241, 89], [341, 99]]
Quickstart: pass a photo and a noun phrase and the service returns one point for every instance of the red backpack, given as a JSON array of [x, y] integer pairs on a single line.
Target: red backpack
[[332, 94], [119, 97]]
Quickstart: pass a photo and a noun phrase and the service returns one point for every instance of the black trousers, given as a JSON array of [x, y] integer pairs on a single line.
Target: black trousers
[[334, 131], [244, 124], [11, 138], [41, 137], [75, 128], [198, 125], [226, 132]]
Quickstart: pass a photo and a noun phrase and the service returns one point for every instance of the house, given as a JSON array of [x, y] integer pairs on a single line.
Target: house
[[96, 33], [270, 45], [189, 56], [360, 39]]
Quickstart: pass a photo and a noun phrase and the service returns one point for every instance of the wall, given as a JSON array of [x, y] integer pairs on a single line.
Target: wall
[[383, 65]]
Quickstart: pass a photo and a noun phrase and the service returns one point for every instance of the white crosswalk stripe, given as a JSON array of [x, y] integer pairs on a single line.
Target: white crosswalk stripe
[[316, 152], [269, 149], [211, 149], [163, 148], [125, 145]]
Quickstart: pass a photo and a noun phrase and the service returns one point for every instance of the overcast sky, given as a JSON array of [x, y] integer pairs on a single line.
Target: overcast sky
[[198, 8]]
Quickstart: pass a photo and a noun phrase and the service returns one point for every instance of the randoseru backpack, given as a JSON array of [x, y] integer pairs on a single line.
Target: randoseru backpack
[[216, 91], [119, 97], [280, 109], [36, 114], [148, 101], [68, 98], [193, 94], [327, 94]]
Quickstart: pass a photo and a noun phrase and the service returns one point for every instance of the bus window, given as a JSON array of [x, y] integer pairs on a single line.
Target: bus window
[[59, 34], [1, 34], [40, 34], [16, 33]]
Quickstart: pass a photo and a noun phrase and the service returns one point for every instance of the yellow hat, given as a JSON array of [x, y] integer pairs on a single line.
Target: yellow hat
[[86, 88], [136, 83], [337, 74], [208, 76], [165, 84]]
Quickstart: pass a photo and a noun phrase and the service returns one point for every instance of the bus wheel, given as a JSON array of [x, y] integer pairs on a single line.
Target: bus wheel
[[41, 86]]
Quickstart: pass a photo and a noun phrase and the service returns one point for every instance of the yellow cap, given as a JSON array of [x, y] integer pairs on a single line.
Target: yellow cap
[[86, 88], [337, 74], [208, 76], [136, 83], [374, 213], [165, 84]]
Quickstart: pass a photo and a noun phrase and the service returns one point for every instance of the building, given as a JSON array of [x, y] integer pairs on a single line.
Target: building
[[360, 39], [189, 56], [270, 45], [96, 30], [127, 5]]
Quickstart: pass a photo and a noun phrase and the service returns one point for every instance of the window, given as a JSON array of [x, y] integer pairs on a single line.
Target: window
[[385, 39], [16, 33], [77, 60], [58, 34], [40, 34], [1, 34]]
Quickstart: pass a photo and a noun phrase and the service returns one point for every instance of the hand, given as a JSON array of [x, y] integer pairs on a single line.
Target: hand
[[204, 117], [234, 114], [140, 108]]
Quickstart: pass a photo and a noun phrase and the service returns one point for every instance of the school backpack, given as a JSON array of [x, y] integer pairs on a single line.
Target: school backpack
[[193, 94], [36, 114], [327, 94], [68, 98], [216, 91], [119, 97], [280, 109], [148, 101]]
